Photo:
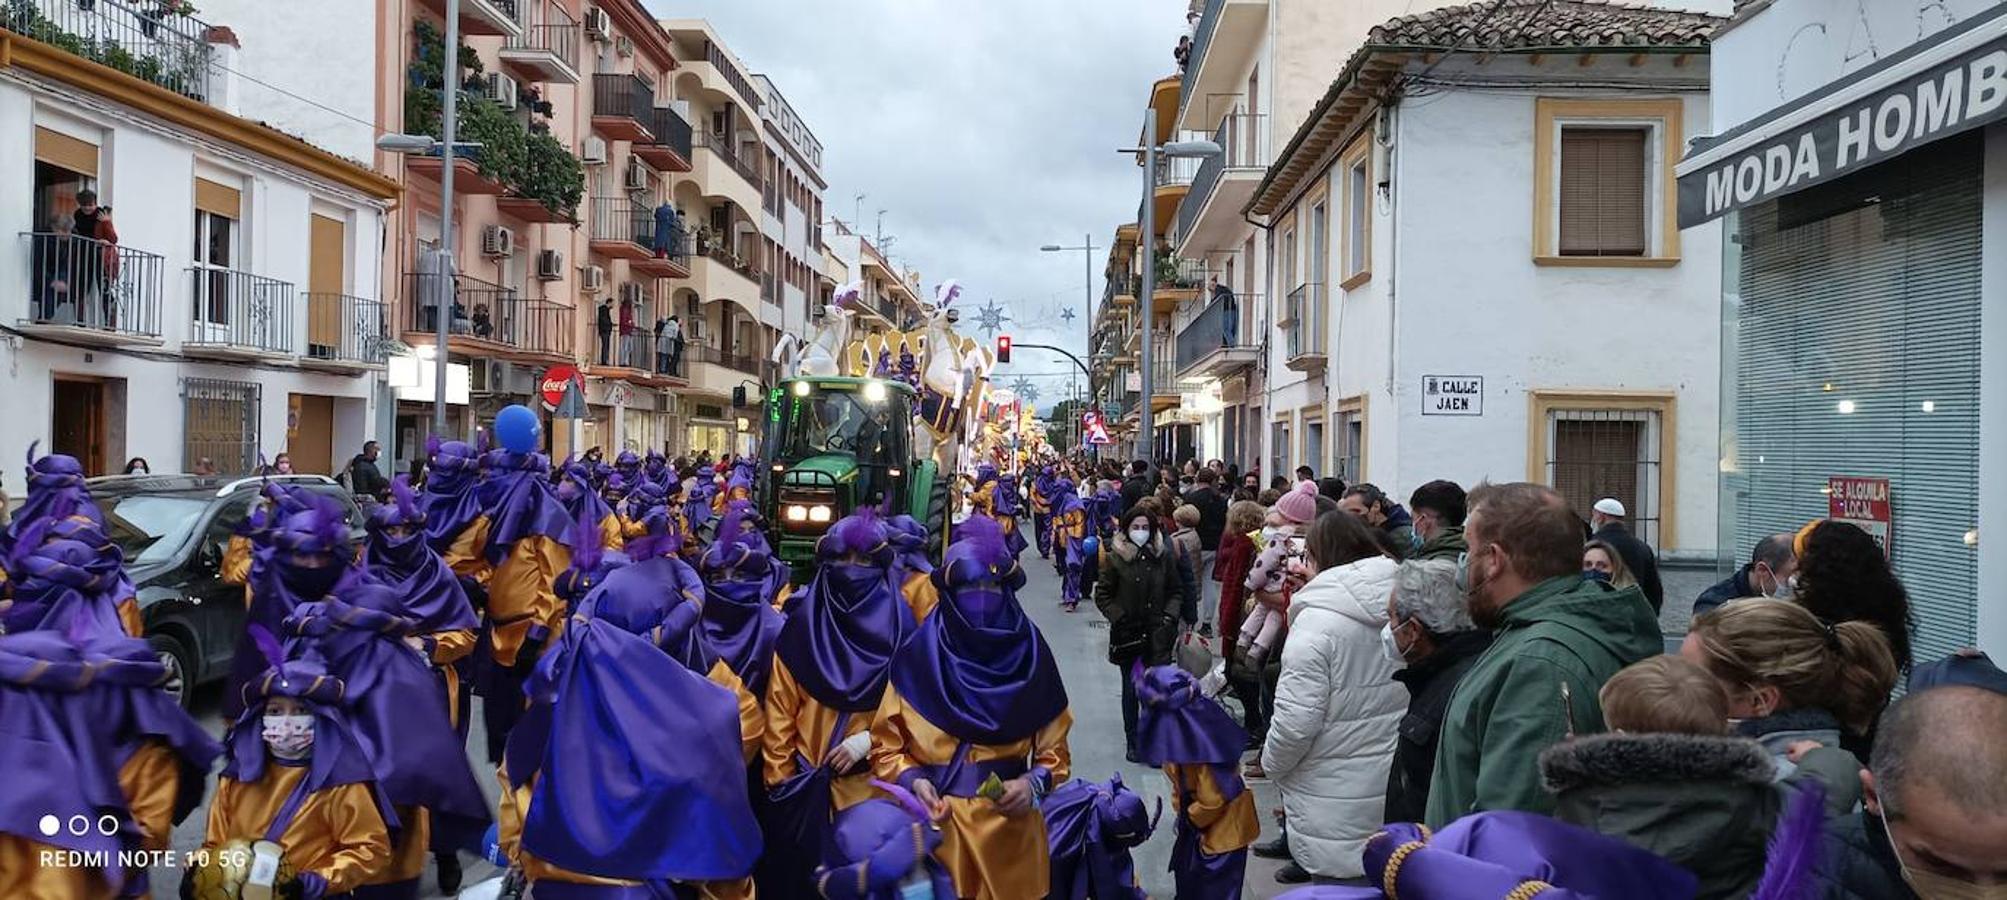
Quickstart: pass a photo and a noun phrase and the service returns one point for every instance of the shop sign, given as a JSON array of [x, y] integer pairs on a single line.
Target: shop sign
[[1863, 503], [1452, 395], [556, 379], [1961, 93]]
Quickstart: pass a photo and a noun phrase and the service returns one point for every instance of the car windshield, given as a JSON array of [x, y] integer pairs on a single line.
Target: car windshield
[[151, 527], [843, 422]]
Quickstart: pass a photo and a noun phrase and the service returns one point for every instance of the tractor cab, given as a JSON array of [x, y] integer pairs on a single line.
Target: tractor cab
[[833, 445]]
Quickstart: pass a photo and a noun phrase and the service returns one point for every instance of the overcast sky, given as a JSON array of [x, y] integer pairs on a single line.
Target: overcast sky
[[983, 129]]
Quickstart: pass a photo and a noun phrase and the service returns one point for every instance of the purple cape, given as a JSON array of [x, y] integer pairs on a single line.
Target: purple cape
[[394, 702], [1177, 724], [840, 638], [55, 490], [1492, 854], [451, 499], [741, 625], [66, 583], [427, 589], [641, 773], [338, 757], [519, 503], [661, 599], [1089, 830]]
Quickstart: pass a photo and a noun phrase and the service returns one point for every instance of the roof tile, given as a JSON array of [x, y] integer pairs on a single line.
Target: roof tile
[[1534, 24]]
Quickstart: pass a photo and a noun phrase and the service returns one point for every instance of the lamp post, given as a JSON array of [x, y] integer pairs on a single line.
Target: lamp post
[[1087, 249], [442, 288], [1145, 436]]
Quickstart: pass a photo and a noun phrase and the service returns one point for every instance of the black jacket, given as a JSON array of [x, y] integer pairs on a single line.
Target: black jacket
[[1430, 684], [1134, 488], [1639, 558], [1858, 863], [1141, 594], [604, 319], [365, 478], [1734, 587], [1212, 515]]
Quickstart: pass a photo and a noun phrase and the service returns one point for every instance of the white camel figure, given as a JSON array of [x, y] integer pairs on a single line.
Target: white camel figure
[[823, 355]]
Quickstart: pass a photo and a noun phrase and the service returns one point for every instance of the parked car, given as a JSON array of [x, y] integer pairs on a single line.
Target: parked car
[[173, 530]]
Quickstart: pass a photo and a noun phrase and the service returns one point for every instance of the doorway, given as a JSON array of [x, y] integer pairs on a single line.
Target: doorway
[[310, 433], [78, 425]]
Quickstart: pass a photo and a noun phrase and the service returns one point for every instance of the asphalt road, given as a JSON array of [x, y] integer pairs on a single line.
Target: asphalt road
[[1079, 641]]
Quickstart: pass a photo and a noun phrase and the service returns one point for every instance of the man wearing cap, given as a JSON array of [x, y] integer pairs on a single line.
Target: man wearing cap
[[1607, 518]]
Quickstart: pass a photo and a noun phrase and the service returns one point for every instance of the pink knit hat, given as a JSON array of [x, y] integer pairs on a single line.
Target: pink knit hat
[[1300, 504]]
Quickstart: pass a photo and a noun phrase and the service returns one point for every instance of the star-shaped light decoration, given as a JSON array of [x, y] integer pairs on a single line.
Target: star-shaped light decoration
[[1025, 390], [991, 317]]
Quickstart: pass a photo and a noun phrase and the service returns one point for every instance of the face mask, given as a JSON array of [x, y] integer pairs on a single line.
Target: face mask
[[310, 582], [1415, 540], [1932, 886], [853, 580], [1390, 645], [1596, 575], [290, 737], [1463, 576], [1785, 588], [1273, 533], [981, 605], [1139, 536]]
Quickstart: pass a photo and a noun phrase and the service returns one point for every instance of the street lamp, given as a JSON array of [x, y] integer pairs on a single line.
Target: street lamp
[[1148, 227], [1087, 246]]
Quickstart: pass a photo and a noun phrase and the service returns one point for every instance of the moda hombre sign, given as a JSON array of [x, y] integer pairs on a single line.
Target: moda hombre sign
[[1944, 99]]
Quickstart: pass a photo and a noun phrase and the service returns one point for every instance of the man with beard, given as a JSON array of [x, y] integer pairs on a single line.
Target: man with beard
[[830, 668], [976, 722], [1558, 638]]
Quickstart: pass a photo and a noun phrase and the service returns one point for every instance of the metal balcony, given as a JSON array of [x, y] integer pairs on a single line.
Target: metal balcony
[[482, 17], [487, 319], [1303, 328], [345, 332], [1229, 32], [716, 143], [1214, 343], [668, 150], [547, 48], [623, 107], [87, 291], [239, 316], [135, 38], [1209, 215]]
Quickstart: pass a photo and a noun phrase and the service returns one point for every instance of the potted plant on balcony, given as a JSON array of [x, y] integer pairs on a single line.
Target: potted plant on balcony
[[551, 175], [157, 11]]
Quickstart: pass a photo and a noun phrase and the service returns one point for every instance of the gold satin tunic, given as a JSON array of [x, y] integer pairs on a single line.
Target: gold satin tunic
[[1224, 825], [989, 855], [798, 723], [337, 833]]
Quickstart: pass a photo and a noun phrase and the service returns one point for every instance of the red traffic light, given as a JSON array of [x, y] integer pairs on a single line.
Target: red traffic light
[[1003, 348]]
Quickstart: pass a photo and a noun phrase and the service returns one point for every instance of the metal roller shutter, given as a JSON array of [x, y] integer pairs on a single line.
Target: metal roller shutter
[[1858, 354]]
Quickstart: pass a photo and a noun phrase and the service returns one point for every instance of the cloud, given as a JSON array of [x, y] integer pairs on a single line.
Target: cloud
[[983, 128]]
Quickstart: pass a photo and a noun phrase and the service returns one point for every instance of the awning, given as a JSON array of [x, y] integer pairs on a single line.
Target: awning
[[1950, 83]]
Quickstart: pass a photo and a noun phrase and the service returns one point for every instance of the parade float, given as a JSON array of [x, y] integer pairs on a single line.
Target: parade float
[[877, 418]]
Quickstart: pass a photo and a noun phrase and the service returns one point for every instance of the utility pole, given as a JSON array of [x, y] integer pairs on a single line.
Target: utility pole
[[1145, 434], [442, 308]]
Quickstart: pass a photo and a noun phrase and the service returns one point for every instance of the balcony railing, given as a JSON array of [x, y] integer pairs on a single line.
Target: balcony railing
[[1178, 273], [241, 311], [718, 252], [717, 143], [715, 55], [1303, 332], [136, 38], [1243, 140], [92, 284], [1209, 20], [622, 219], [633, 350], [1177, 170], [346, 329], [671, 131], [623, 96], [489, 312], [547, 28], [1215, 328]]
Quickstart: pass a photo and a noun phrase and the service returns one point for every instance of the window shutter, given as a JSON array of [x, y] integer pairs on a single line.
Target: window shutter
[[1602, 199], [1880, 299], [59, 149], [218, 199]]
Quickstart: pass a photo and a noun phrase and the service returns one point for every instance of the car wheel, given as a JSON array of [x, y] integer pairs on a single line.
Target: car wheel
[[180, 682]]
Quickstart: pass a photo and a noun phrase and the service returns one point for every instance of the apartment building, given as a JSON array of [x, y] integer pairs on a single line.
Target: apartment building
[[792, 208], [236, 312], [891, 297]]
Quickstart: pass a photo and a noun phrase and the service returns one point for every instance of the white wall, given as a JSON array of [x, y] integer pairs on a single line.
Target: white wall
[[322, 51], [1794, 47], [1471, 302], [147, 175]]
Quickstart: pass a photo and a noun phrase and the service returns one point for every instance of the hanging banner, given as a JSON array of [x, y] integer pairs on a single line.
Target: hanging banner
[[1863, 503]]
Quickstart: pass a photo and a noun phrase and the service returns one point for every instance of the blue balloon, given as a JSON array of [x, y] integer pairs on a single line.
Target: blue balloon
[[491, 847], [1090, 545], [518, 429]]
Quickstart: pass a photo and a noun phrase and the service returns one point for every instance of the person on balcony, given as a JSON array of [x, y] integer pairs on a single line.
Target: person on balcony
[[666, 230], [1229, 313], [626, 333], [604, 323], [98, 270], [484, 323], [673, 333], [56, 255], [660, 344]]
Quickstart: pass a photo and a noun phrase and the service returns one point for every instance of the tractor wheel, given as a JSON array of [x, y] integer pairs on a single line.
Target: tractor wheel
[[937, 518]]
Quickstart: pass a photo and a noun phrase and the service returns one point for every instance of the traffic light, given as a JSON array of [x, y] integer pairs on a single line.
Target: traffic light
[[1003, 348]]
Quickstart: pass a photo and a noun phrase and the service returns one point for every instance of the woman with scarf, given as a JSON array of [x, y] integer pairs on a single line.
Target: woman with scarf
[[374, 641], [741, 620], [1191, 737], [659, 808], [67, 575], [524, 550], [975, 723], [830, 667], [294, 773], [1071, 527], [85, 729], [916, 582]]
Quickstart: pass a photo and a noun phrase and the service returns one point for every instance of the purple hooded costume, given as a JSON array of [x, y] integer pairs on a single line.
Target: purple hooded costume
[[1178, 726], [300, 558], [740, 621], [67, 575], [450, 502], [1509, 853], [883, 850], [1090, 829], [55, 491]]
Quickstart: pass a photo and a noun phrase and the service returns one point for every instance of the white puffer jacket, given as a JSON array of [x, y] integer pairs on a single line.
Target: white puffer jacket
[[1337, 708]]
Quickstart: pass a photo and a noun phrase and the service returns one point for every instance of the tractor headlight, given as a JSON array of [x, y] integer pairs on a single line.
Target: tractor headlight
[[820, 512], [801, 388], [874, 391], [796, 512]]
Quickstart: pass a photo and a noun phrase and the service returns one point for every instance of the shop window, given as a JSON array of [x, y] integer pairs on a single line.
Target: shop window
[[1603, 182], [1313, 441], [1602, 203], [1595, 446]]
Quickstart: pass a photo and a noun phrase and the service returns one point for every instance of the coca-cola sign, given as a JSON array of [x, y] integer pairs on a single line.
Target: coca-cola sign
[[554, 382]]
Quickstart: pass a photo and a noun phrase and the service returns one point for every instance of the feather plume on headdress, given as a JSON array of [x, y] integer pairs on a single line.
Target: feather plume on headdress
[[31, 452], [905, 799], [267, 644], [1794, 846], [432, 444], [407, 502]]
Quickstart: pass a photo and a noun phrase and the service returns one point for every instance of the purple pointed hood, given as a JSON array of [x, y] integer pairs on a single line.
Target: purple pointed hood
[[909, 537], [1177, 723], [338, 756], [450, 501], [398, 555], [840, 638], [740, 622], [65, 573]]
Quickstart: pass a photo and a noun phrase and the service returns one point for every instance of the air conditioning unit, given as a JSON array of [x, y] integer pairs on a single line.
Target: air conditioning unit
[[593, 151], [598, 25], [520, 380], [498, 240], [623, 45], [550, 265], [487, 376], [502, 89], [638, 177], [593, 280], [631, 292]]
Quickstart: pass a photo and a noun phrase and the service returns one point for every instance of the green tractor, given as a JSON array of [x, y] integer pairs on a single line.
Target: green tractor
[[832, 445]]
